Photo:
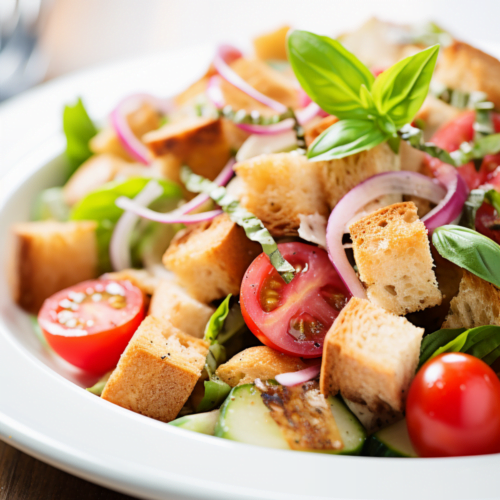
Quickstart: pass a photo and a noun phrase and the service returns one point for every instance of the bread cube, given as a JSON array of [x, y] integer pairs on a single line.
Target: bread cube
[[477, 304], [172, 303], [197, 142], [141, 121], [272, 46], [49, 256], [141, 278], [463, 67], [317, 126], [158, 370], [258, 362], [278, 188], [92, 174], [392, 252], [338, 177], [370, 356], [210, 258]]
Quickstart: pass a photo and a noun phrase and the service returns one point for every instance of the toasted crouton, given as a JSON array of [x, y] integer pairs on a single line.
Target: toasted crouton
[[278, 188], [92, 174], [158, 370], [370, 357], [339, 176], [392, 252], [197, 142], [141, 121], [477, 304], [272, 45], [258, 362], [316, 127], [210, 258], [172, 303], [141, 278], [49, 256], [466, 68]]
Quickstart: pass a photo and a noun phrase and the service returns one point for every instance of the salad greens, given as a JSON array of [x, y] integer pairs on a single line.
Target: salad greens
[[483, 342], [50, 205], [470, 250], [78, 129], [100, 206], [471, 206], [254, 229]]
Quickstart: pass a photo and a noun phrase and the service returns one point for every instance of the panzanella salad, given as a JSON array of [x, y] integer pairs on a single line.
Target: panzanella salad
[[299, 251]]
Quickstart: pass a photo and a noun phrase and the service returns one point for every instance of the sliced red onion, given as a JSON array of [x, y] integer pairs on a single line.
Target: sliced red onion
[[134, 147], [227, 54], [119, 247], [386, 183], [214, 92], [166, 218], [295, 378]]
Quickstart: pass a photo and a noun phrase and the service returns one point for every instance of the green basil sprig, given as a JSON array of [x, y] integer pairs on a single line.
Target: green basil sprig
[[469, 250], [483, 342], [254, 229], [370, 110]]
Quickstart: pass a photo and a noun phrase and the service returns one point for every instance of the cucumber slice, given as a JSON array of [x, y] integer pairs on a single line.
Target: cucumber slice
[[245, 418], [204, 423], [393, 441]]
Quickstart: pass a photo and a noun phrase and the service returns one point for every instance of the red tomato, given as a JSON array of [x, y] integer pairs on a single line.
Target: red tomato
[[293, 318], [453, 407], [487, 220], [90, 324], [459, 130]]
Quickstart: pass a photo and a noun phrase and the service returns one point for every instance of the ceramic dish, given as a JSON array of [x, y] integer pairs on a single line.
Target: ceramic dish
[[45, 412]]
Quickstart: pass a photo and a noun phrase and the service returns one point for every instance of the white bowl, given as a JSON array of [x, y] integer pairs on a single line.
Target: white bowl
[[45, 412]]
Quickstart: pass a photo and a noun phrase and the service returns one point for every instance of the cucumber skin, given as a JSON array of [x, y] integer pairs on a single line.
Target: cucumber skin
[[375, 448]]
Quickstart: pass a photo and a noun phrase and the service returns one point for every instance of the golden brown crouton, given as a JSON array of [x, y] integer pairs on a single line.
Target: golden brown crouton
[[392, 252], [171, 302], [272, 45], [370, 356], [267, 81], [258, 362], [141, 278], [277, 188], [92, 174], [158, 370], [339, 176], [316, 127], [197, 142], [49, 256], [477, 304], [141, 121], [435, 113], [210, 258], [466, 68]]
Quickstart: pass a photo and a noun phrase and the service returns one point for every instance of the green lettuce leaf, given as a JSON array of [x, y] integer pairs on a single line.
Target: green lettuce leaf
[[100, 206], [400, 91], [254, 229], [329, 73], [78, 129], [216, 321], [469, 250], [345, 138]]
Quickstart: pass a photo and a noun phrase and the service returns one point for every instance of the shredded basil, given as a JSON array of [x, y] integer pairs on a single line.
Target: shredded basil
[[493, 198], [254, 229], [252, 118], [471, 206], [457, 98]]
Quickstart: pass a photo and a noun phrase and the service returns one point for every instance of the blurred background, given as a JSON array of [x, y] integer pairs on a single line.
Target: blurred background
[[43, 39]]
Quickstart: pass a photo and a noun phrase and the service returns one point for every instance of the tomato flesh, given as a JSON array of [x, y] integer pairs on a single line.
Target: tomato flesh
[[453, 407], [90, 324], [488, 222], [293, 318]]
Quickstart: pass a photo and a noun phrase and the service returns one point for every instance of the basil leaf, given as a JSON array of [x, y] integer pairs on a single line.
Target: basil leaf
[[457, 98], [493, 198], [431, 343], [329, 73], [98, 387], [471, 206], [254, 229], [345, 138], [216, 391], [78, 129], [470, 250], [99, 205], [400, 91], [216, 321]]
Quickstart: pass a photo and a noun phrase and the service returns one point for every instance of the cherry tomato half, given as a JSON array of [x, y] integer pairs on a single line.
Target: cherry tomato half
[[454, 133], [488, 222], [453, 407], [293, 318], [90, 324]]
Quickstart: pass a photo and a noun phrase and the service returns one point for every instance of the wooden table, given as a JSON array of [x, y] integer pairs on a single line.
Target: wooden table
[[25, 478]]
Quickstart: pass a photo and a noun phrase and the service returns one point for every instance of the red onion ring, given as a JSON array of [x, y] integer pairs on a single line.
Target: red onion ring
[[134, 147], [227, 54], [448, 209], [295, 378]]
